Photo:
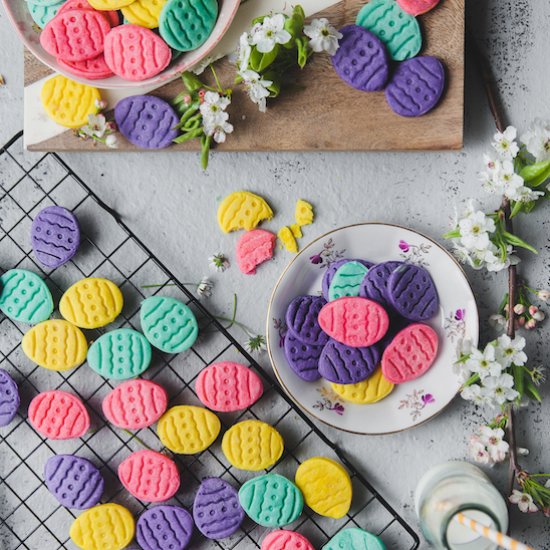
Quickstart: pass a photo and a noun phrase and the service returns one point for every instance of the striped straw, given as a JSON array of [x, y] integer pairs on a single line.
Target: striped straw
[[501, 539]]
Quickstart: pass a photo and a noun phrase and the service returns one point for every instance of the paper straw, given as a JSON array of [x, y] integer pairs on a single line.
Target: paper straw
[[495, 536]]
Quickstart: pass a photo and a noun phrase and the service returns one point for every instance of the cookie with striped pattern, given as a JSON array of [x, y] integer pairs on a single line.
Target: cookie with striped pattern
[[145, 13], [254, 248], [343, 364], [302, 358], [333, 268], [354, 538], [91, 69], [302, 319], [369, 391], [417, 7], [9, 398], [286, 540], [347, 280], [242, 210], [41, 14], [164, 527], [374, 285]]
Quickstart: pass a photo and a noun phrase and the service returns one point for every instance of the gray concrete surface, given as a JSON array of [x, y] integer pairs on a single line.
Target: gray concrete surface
[[171, 205]]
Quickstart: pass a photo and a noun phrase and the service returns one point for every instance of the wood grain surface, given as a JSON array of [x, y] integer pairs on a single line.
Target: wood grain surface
[[319, 111]]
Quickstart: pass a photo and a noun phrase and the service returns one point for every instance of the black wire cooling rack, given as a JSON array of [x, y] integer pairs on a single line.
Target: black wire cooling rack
[[29, 516]]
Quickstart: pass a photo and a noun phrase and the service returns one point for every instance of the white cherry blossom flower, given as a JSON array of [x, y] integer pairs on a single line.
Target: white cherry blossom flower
[[500, 389], [270, 33], [474, 230], [96, 127], [484, 362], [510, 352], [509, 180], [111, 141], [537, 140], [323, 36], [477, 451], [213, 107], [505, 143], [256, 88], [524, 501], [218, 129], [245, 50], [493, 440]]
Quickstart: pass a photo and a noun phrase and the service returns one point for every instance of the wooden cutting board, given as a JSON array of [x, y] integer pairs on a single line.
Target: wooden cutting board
[[320, 112]]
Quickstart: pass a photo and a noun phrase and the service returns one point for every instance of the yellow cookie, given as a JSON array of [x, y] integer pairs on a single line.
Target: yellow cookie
[[108, 5], [103, 527], [287, 238], [372, 390], [304, 213], [91, 303], [252, 445], [145, 13], [242, 210], [187, 430], [296, 230], [326, 486], [67, 102], [55, 345]]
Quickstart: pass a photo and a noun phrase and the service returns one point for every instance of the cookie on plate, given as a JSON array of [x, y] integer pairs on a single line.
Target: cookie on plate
[[302, 358], [302, 319], [343, 364]]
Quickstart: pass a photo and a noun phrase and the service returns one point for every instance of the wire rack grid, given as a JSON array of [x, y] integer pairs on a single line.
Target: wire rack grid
[[30, 517]]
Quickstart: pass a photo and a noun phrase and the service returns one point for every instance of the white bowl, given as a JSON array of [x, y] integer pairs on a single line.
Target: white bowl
[[24, 25]]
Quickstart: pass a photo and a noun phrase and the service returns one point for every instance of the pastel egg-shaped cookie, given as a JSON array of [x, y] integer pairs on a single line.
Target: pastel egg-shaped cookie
[[67, 102], [326, 486], [252, 445], [45, 3], [146, 121], [42, 15], [109, 5], [55, 236], [120, 354], [372, 390], [374, 285], [105, 526], [354, 538], [347, 365], [91, 303], [135, 404], [286, 540], [91, 69], [254, 248], [302, 358], [417, 7], [55, 345], [416, 86], [271, 500], [362, 59], [145, 13], [216, 509], [111, 16], [302, 319], [25, 297], [228, 387], [398, 30], [333, 268], [135, 53], [163, 527], [347, 280], [9, 398], [356, 322], [74, 481], [411, 353], [149, 476], [186, 24], [412, 293], [188, 430], [168, 324], [75, 35], [242, 210], [58, 414]]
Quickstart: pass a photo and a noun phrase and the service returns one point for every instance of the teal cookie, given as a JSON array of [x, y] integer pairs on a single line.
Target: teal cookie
[[347, 280], [398, 30], [168, 324], [42, 15], [120, 354], [186, 24], [271, 500], [354, 539], [25, 297]]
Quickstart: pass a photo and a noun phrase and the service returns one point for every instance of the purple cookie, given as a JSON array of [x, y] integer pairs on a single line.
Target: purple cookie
[[333, 268], [301, 319], [163, 527], [416, 86], [216, 510], [9, 398], [146, 121], [361, 60], [376, 280], [412, 293], [74, 481], [55, 236], [302, 358], [342, 364]]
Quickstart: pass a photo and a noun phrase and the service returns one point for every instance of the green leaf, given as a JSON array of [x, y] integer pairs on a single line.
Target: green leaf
[[516, 208], [206, 142], [261, 61], [532, 391], [259, 20], [188, 136], [191, 82], [302, 45], [454, 234], [519, 379], [275, 86], [536, 174], [295, 25], [516, 241]]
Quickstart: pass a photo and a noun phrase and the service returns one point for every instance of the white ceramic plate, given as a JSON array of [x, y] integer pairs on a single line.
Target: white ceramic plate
[[411, 403], [22, 22]]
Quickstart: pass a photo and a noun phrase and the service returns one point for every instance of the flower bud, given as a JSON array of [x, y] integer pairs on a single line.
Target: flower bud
[[533, 310], [544, 295], [521, 321], [539, 316], [531, 324], [519, 309]]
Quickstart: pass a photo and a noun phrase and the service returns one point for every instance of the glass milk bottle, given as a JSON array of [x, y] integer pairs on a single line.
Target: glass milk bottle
[[453, 487]]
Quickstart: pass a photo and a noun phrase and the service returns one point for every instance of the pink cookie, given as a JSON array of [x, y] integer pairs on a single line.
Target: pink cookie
[[411, 353], [135, 404], [112, 16], [91, 69], [57, 414], [286, 540], [75, 35], [254, 248], [356, 322], [417, 7], [228, 387], [149, 476], [136, 53]]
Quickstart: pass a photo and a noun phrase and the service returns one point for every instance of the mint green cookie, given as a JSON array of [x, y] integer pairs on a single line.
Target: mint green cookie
[[354, 539], [120, 354], [347, 280], [42, 15], [186, 24], [271, 500], [24, 297], [398, 30]]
